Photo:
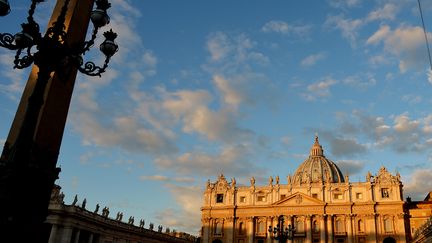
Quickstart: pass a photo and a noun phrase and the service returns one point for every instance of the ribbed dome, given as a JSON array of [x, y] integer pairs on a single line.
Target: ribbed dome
[[317, 168]]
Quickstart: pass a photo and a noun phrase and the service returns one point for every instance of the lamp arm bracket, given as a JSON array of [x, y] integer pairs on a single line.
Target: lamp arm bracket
[[91, 69], [7, 41]]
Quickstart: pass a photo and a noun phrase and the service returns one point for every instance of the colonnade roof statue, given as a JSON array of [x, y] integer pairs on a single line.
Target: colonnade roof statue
[[317, 168]]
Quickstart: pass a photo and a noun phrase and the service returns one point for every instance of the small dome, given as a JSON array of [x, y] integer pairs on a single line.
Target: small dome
[[317, 168]]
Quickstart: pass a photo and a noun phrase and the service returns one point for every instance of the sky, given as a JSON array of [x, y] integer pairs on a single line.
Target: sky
[[199, 88]]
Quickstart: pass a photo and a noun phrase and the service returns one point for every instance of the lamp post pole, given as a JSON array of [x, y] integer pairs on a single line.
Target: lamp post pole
[[281, 234], [28, 163]]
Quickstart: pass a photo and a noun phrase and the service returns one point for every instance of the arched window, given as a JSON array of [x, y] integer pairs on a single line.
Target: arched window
[[315, 226], [241, 228], [360, 226], [388, 225]]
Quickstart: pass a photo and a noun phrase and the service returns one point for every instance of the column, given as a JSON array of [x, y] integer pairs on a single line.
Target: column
[[269, 223], [250, 229], [308, 228], [289, 222], [66, 234], [350, 233], [90, 240], [77, 236], [53, 234], [229, 227], [330, 228], [372, 228], [206, 229], [322, 229]]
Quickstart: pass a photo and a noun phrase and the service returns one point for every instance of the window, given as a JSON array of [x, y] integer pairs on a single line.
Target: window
[[241, 228], [388, 225], [299, 226], [261, 198], [339, 226], [361, 239], [218, 228], [242, 199], [219, 198], [315, 226], [314, 195], [360, 226], [338, 196], [385, 193], [359, 195], [261, 229], [283, 196]]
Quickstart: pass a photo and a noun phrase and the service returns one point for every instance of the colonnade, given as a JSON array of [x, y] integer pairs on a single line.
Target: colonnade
[[67, 234], [315, 228]]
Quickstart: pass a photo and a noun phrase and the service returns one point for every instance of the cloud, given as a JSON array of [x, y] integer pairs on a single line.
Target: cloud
[[15, 86], [233, 159], [399, 132], [348, 27], [419, 185], [342, 4], [230, 95], [387, 12], [379, 35], [218, 45], [429, 75], [412, 98], [192, 109], [403, 124], [276, 26], [125, 132], [361, 81], [282, 27], [312, 59], [405, 43], [166, 178], [340, 146], [351, 167], [187, 217], [319, 90]]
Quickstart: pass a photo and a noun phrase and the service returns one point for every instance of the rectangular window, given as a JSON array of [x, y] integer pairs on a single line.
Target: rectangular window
[[242, 199], [283, 196], [219, 198], [337, 196], [388, 225], [359, 195], [314, 195], [261, 198], [385, 193]]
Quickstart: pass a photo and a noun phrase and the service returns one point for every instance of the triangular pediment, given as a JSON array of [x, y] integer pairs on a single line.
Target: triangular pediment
[[298, 199]]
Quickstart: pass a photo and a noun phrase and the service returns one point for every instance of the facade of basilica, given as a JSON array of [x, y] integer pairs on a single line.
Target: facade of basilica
[[318, 204]]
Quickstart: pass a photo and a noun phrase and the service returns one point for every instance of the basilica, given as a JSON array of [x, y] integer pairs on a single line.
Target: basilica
[[317, 204]]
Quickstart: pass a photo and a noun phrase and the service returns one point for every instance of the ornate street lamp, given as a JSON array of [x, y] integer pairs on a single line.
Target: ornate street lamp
[[28, 161], [281, 234]]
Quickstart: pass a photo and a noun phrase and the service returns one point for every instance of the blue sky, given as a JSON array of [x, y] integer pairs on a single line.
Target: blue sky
[[200, 88]]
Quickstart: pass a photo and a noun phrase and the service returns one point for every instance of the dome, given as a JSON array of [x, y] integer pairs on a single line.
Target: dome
[[317, 168]]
